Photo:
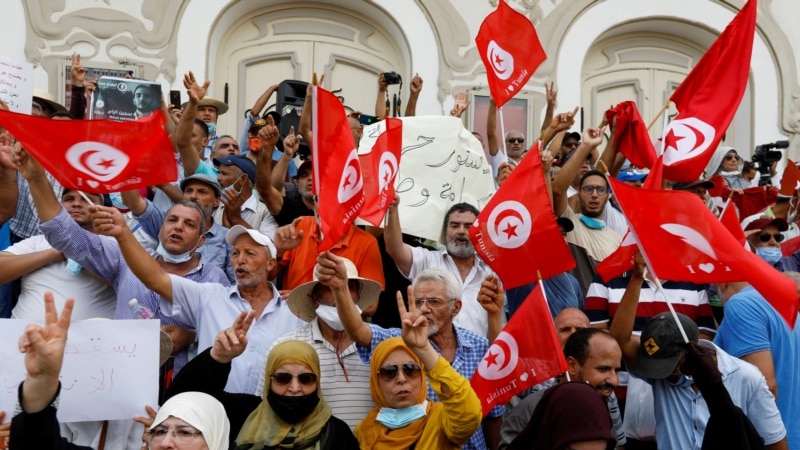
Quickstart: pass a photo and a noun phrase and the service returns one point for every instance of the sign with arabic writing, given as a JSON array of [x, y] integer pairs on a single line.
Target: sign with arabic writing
[[441, 164], [16, 84], [110, 369]]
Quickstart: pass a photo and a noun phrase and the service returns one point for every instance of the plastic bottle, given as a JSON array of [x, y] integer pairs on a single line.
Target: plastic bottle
[[139, 311]]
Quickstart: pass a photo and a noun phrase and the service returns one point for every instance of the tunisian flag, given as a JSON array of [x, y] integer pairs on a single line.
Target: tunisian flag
[[510, 50], [99, 156], [338, 182], [524, 354], [683, 241], [516, 233], [708, 98], [380, 169], [632, 137]]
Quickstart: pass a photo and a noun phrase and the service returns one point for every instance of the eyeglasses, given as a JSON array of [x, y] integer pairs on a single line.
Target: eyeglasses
[[283, 378], [179, 435], [588, 189], [389, 371], [765, 237], [432, 302], [515, 140]]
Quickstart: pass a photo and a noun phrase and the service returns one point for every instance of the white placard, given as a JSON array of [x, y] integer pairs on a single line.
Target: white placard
[[442, 164], [16, 84], [110, 369]]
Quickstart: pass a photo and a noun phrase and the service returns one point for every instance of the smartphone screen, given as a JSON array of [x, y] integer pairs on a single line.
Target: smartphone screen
[[366, 119], [175, 99]]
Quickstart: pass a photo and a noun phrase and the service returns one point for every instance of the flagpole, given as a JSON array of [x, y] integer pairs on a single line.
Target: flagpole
[[502, 131], [86, 197], [540, 284], [659, 288], [655, 119]]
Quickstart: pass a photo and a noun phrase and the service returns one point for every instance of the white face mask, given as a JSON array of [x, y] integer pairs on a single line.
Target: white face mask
[[329, 315]]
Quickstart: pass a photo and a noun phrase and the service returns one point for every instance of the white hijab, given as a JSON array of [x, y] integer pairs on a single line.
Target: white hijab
[[201, 411]]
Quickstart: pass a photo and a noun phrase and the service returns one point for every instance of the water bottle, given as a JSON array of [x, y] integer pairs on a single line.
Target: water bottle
[[139, 311]]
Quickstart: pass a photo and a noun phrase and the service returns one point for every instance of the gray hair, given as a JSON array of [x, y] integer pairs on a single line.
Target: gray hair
[[196, 207], [509, 132], [444, 276]]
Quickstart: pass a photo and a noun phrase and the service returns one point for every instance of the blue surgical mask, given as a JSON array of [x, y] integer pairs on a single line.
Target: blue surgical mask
[[212, 129], [116, 200], [591, 222], [398, 418], [769, 254], [174, 259], [684, 381]]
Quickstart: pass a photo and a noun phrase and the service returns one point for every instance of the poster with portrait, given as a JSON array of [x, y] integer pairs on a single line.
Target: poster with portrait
[[124, 99]]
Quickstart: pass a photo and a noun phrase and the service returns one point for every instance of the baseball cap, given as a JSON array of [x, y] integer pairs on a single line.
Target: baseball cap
[[630, 175], [260, 238], [203, 178], [244, 163], [662, 345], [708, 184], [760, 224], [572, 134]]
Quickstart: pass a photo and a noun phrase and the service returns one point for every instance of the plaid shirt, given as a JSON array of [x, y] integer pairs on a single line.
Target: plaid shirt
[[25, 221], [469, 353]]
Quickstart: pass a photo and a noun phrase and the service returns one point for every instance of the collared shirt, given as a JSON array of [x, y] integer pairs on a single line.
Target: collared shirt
[[346, 389], [255, 213], [682, 413], [211, 308], [102, 256], [23, 223], [215, 249], [472, 315], [469, 353], [357, 246]]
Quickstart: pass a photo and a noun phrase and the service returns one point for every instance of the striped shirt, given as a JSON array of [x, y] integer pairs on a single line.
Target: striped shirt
[[349, 398], [602, 301]]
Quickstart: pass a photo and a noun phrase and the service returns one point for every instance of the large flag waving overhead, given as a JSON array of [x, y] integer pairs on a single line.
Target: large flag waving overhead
[[338, 181], [524, 354], [99, 156], [708, 98], [631, 134], [516, 233], [683, 241], [510, 50], [380, 168]]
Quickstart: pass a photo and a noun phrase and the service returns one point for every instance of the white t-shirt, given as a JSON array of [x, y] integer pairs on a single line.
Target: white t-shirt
[[93, 298]]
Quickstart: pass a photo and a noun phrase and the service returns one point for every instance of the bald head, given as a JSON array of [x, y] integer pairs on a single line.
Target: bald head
[[568, 321]]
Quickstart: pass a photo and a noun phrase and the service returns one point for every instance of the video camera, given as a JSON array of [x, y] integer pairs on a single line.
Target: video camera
[[764, 156]]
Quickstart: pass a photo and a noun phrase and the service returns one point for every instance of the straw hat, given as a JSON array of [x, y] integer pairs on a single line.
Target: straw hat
[[304, 307], [222, 107], [42, 96]]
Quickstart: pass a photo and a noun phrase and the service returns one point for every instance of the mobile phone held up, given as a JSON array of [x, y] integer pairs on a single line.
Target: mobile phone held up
[[175, 99], [367, 119]]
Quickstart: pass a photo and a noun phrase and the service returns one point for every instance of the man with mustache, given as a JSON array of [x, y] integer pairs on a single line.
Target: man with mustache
[[459, 258]]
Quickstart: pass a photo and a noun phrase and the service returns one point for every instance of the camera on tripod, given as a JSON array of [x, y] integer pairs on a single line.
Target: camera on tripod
[[392, 78], [764, 156]]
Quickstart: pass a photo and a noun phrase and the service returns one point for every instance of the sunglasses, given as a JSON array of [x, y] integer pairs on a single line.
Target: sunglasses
[[730, 157], [515, 140], [765, 237], [283, 378], [389, 371]]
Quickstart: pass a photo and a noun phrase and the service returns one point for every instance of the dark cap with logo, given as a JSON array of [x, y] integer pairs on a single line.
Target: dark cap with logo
[[662, 345]]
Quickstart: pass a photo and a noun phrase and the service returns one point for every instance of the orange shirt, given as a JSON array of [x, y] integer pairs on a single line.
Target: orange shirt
[[357, 246]]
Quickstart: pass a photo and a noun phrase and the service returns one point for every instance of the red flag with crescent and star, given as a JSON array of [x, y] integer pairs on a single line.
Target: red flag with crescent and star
[[338, 181], [524, 354], [380, 168], [510, 50], [99, 156], [683, 241], [708, 98], [633, 139], [516, 233]]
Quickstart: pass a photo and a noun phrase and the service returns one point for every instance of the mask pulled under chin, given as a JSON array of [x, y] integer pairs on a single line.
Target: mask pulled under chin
[[329, 315], [170, 258], [591, 222], [398, 418]]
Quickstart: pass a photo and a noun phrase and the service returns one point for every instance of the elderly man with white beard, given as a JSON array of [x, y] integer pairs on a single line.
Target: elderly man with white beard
[[459, 258]]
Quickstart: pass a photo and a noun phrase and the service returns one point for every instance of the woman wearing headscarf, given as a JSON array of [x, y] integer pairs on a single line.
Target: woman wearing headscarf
[[569, 415], [403, 418], [193, 420], [292, 413], [728, 164]]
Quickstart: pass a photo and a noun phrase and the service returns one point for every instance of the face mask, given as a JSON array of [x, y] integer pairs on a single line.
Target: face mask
[[398, 418], [769, 254], [174, 259], [116, 200], [684, 381], [329, 315], [254, 144], [292, 409], [591, 222], [212, 129]]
